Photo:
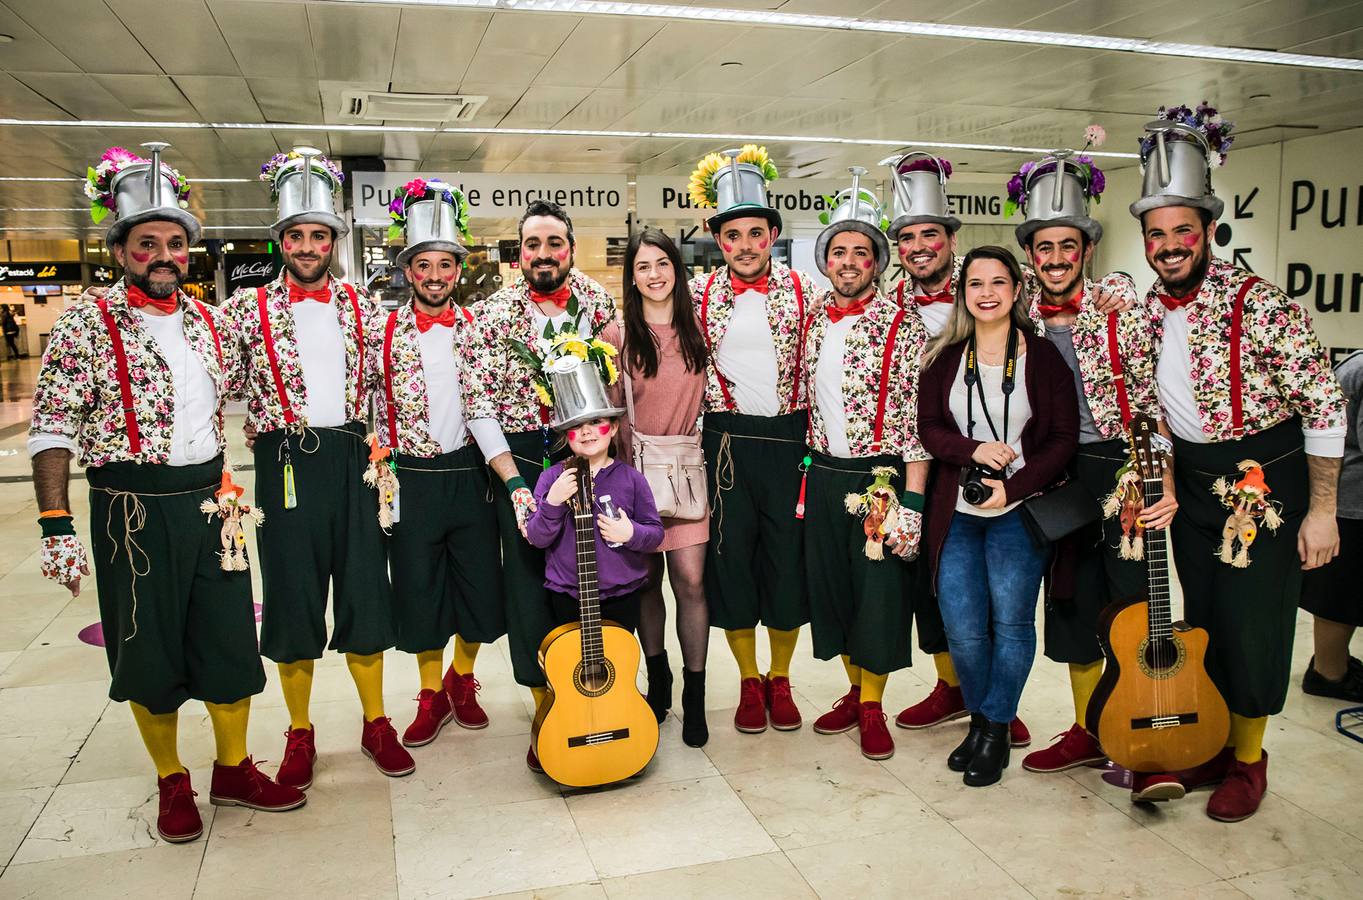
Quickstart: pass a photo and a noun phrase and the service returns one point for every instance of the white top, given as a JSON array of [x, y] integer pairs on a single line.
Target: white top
[[1174, 375], [828, 385], [935, 317], [747, 357], [321, 354], [540, 319], [1019, 414], [443, 401]]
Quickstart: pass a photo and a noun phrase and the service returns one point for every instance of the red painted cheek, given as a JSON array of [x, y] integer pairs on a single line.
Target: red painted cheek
[[527, 257], [449, 279], [141, 257], [1191, 240], [1151, 247], [728, 248], [561, 256], [603, 430], [325, 248], [288, 245], [572, 435], [937, 247], [181, 259], [866, 263], [1072, 257], [762, 245]]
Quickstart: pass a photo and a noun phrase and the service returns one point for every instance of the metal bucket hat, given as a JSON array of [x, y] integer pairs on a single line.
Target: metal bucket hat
[[919, 182], [141, 190], [579, 393], [739, 188], [432, 222], [1176, 169], [1056, 191], [304, 185], [855, 209]]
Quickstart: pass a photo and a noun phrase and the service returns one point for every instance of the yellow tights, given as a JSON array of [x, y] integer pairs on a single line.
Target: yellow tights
[[1083, 682], [295, 683], [229, 729], [946, 670], [1247, 737], [429, 663], [782, 650], [367, 672], [465, 653], [160, 730], [743, 645]]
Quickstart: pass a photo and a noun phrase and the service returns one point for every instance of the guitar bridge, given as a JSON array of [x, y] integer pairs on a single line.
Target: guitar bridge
[[598, 737], [1157, 722]]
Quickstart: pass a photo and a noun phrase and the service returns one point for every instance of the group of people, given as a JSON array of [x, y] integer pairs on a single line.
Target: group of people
[[869, 457]]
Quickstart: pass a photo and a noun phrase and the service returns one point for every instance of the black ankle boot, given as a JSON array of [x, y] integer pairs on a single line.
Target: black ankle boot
[[991, 756], [960, 757], [694, 730], [659, 684]]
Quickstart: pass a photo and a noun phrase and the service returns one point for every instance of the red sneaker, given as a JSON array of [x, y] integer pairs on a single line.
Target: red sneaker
[[1153, 787], [532, 762], [463, 691], [177, 819], [1075, 748], [300, 752], [844, 716], [942, 705], [379, 742], [1018, 734], [751, 715], [785, 715], [245, 785], [1210, 773], [876, 742], [432, 712], [1240, 794]]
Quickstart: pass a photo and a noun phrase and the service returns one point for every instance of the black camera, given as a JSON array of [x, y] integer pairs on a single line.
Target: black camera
[[973, 489]]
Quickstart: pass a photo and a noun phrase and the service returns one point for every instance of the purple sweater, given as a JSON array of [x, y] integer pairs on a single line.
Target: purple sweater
[[619, 570]]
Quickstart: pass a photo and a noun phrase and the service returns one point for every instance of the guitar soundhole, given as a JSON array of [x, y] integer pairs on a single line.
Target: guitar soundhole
[[594, 678], [1162, 657]]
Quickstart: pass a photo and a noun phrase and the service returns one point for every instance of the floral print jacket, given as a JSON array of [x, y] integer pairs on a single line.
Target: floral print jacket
[[264, 407], [783, 317], [863, 358], [1283, 366], [497, 384], [77, 392], [403, 366]]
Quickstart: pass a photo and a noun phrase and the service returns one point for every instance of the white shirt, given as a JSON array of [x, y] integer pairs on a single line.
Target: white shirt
[[1019, 414], [443, 401], [935, 317], [747, 357], [828, 383], [321, 354], [193, 437], [559, 319]]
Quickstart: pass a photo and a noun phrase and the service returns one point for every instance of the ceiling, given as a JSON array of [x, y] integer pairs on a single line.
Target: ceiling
[[287, 62]]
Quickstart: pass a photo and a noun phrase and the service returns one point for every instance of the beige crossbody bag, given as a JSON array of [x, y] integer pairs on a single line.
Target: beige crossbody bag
[[672, 464]]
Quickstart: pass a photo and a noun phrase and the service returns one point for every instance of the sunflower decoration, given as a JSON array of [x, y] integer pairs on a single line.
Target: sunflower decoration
[[702, 185], [554, 344]]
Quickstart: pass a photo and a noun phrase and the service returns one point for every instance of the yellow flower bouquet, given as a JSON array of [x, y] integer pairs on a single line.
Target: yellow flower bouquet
[[553, 344]]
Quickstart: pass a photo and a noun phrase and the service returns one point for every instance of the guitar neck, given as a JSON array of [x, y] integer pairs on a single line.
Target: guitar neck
[[584, 526], [1157, 567]]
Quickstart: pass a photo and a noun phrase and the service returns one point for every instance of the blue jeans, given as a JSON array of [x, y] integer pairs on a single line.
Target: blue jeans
[[988, 579]]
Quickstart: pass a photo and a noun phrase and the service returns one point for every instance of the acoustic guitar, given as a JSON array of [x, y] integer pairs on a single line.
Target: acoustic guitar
[[1155, 708], [594, 727]]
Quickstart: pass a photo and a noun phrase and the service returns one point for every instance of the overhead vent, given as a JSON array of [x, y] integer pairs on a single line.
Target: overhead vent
[[380, 106]]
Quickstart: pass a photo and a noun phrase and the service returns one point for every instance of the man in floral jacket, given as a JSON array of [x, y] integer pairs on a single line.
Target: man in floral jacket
[[308, 375], [133, 384], [500, 385], [1258, 425]]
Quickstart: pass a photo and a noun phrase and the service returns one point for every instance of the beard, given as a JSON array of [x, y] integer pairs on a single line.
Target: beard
[[306, 271], [936, 276], [160, 280], [1057, 294], [1197, 270], [851, 290], [547, 280], [433, 293]]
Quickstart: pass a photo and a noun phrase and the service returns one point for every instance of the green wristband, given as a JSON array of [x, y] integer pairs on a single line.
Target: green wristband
[[912, 500], [515, 483], [54, 526]]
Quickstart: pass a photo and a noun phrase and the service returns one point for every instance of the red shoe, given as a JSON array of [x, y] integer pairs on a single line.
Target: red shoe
[[1018, 734], [379, 742], [844, 716], [1075, 748], [751, 715], [177, 819], [876, 742], [785, 715], [300, 752], [942, 705], [245, 785], [1153, 787], [1210, 773], [1240, 794], [532, 762], [463, 691], [432, 712]]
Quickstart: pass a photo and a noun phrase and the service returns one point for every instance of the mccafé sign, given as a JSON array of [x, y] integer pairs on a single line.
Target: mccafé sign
[[249, 270]]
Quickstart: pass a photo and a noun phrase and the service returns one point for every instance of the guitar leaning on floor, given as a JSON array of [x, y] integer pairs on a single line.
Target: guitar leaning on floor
[[594, 727], [1155, 708]]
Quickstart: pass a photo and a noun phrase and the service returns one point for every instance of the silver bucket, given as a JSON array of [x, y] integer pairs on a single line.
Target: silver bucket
[[919, 196], [138, 197], [579, 393], [305, 195], [1057, 198], [432, 225], [1177, 170], [852, 210], [739, 185]]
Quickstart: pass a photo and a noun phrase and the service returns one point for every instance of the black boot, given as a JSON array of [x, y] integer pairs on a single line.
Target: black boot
[[960, 757], [659, 684], [694, 730], [991, 756]]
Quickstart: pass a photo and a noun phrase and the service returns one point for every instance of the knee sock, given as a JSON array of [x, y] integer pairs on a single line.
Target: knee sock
[[1083, 682], [229, 730], [853, 672], [743, 644], [158, 733], [1247, 737], [428, 666], [782, 650], [872, 686], [539, 694], [465, 652], [946, 670], [367, 671], [295, 682]]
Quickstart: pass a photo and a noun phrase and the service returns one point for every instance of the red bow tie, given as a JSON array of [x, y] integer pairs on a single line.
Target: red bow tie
[[1173, 303], [425, 321], [835, 312], [137, 299], [739, 285], [1069, 307], [559, 297], [943, 296], [321, 295]]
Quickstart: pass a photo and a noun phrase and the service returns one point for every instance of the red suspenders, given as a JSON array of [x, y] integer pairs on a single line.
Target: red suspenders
[[1114, 355], [799, 347], [1237, 404], [267, 336], [884, 380]]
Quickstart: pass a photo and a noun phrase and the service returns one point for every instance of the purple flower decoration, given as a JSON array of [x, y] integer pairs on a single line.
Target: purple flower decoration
[[920, 164]]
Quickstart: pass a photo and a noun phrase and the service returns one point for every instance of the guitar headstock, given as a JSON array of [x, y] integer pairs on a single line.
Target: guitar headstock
[[584, 499], [1149, 448]]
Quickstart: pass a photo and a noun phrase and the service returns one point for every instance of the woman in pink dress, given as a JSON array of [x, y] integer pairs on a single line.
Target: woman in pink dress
[[664, 353]]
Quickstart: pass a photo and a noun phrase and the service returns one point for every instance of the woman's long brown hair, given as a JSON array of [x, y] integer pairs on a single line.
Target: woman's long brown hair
[[641, 347]]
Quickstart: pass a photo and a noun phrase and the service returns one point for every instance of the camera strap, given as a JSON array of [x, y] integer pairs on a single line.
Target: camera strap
[[974, 383]]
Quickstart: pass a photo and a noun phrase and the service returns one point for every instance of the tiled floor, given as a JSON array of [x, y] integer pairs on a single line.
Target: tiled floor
[[776, 815]]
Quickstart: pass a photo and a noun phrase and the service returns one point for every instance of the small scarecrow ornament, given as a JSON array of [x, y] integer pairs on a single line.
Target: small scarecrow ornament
[[879, 507], [1127, 501], [382, 475], [1248, 502], [231, 510]]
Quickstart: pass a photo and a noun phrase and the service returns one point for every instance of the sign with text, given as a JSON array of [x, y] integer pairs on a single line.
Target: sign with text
[[248, 270], [799, 200], [52, 273], [498, 195]]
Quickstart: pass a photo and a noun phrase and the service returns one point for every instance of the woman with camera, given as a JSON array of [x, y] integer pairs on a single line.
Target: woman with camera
[[999, 414]]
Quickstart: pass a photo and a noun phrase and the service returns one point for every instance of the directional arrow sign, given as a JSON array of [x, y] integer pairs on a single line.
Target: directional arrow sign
[[1239, 257], [1242, 207], [686, 236]]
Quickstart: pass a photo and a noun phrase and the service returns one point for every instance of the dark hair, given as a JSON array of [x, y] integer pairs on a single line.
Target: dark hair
[[1083, 240], [545, 208], [641, 345], [960, 325], [1203, 215]]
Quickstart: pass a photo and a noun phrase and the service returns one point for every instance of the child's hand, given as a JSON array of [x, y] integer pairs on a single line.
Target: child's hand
[[618, 530], [564, 488]]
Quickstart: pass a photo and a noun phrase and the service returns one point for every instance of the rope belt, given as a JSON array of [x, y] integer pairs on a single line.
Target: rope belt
[[1293, 452]]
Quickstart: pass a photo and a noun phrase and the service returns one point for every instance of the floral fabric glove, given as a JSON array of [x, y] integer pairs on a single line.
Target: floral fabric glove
[[524, 502], [63, 558], [907, 531]]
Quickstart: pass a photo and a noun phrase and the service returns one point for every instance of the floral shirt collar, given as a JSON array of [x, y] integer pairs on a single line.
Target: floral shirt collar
[[402, 369]]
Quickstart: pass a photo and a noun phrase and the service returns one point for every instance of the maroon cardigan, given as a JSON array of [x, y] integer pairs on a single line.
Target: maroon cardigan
[[1049, 441]]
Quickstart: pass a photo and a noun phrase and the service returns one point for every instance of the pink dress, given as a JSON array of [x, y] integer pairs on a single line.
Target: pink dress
[[667, 403]]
